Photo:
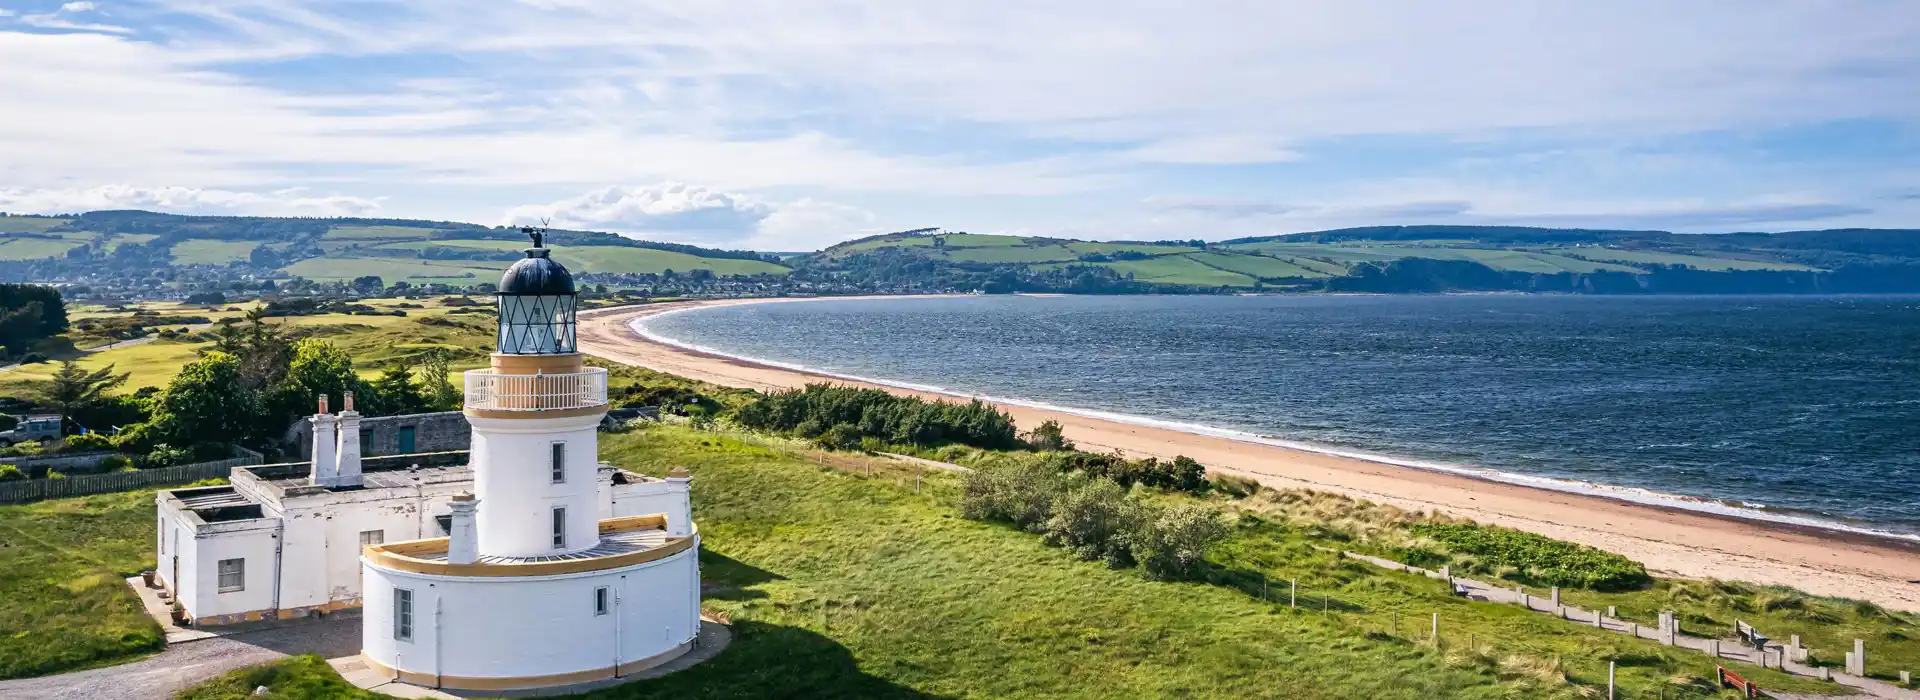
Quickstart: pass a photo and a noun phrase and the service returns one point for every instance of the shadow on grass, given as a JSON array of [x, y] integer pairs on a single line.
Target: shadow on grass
[[726, 578], [769, 661]]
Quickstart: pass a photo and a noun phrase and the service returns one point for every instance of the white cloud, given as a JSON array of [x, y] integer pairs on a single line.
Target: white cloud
[[53, 20], [183, 200], [694, 214]]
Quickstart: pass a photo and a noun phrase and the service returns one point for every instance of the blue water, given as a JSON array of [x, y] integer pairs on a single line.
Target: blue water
[[1790, 408]]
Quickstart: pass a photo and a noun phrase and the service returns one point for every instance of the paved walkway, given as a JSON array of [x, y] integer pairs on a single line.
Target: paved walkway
[[1727, 648]]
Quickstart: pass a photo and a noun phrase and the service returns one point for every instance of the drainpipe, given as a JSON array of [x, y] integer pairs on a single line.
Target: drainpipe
[[279, 546], [616, 625], [436, 641]]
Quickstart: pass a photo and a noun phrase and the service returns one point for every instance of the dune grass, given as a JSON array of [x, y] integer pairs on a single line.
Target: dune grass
[[63, 604]]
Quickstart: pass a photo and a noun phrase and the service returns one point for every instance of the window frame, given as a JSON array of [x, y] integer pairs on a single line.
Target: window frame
[[403, 614], [380, 537], [559, 527], [602, 601], [221, 573], [557, 468]]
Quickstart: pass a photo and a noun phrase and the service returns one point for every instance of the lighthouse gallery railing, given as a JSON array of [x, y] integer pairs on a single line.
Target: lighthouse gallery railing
[[488, 391]]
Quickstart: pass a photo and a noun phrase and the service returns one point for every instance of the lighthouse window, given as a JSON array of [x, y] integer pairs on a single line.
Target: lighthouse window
[[559, 466], [560, 528], [600, 600], [403, 614], [233, 575]]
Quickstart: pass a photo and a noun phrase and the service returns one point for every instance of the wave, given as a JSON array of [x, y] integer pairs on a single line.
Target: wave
[[1729, 508]]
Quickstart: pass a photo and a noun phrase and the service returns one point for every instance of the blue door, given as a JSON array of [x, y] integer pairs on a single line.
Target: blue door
[[406, 440]]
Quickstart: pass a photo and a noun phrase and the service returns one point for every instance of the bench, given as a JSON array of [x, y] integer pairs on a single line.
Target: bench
[[1752, 637]]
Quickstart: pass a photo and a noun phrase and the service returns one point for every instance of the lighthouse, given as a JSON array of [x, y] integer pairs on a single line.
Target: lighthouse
[[540, 581]]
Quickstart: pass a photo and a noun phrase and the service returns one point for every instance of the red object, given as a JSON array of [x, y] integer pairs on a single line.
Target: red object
[[1735, 681]]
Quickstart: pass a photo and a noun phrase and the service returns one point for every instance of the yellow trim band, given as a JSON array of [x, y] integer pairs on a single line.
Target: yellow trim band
[[522, 682], [404, 556]]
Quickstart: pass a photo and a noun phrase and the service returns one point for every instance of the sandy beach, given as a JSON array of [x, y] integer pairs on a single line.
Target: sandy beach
[[1668, 540]]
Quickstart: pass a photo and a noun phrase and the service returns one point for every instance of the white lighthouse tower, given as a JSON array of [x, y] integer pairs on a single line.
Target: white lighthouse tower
[[534, 585]]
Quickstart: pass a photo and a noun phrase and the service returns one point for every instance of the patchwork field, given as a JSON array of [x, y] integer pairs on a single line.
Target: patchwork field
[[1658, 258], [200, 251]]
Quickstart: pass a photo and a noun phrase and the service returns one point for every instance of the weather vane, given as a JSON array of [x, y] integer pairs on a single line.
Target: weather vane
[[537, 233]]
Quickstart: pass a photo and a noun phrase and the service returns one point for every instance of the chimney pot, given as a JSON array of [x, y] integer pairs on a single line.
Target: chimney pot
[[346, 400], [323, 405]]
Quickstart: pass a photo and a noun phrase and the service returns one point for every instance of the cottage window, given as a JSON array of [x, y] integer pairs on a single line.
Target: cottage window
[[372, 537], [558, 468], [403, 614], [233, 575], [560, 528], [600, 600]]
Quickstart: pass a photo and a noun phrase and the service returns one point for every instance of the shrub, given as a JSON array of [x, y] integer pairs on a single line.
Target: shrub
[[840, 437], [89, 442], [1540, 559], [51, 474], [24, 449], [9, 472], [1093, 518], [1174, 544], [1048, 437], [164, 455], [1235, 486], [32, 358], [1021, 493], [898, 419]]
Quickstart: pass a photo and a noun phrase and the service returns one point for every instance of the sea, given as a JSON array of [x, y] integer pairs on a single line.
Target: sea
[[1798, 409]]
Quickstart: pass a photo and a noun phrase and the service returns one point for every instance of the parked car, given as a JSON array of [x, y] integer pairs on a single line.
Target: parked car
[[31, 428]]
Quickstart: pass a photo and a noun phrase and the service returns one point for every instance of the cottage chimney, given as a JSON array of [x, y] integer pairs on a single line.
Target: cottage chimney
[[324, 471], [463, 539], [347, 470], [680, 508]]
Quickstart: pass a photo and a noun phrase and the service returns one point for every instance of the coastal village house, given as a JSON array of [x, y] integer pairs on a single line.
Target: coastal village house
[[532, 565]]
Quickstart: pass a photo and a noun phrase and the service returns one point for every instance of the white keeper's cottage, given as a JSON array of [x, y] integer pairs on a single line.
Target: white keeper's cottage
[[531, 566]]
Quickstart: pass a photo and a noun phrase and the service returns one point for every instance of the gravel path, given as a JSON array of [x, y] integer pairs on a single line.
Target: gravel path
[[188, 663]]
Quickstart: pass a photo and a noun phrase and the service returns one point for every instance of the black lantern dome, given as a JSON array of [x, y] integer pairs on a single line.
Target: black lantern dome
[[537, 300]]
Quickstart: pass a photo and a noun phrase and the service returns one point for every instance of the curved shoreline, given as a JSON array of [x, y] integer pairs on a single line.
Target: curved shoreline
[[1687, 541], [1639, 495]]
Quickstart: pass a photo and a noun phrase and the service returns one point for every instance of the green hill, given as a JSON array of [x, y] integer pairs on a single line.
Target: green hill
[[1398, 258], [137, 243]]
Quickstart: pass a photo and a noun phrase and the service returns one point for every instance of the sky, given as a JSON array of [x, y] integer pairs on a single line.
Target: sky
[[794, 124]]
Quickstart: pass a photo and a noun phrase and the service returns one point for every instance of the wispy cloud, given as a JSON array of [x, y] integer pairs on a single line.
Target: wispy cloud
[[678, 211], [184, 200], [992, 114]]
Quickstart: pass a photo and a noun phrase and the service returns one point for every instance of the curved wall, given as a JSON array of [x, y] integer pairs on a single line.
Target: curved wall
[[497, 633], [513, 480]]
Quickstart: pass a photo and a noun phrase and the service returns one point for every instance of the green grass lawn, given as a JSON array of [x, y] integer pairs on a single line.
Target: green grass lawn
[[1254, 265], [28, 224], [116, 240], [21, 248], [150, 364], [203, 251], [392, 233], [1178, 269], [462, 272], [1148, 248], [1659, 258], [63, 605], [847, 576], [1012, 254]]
